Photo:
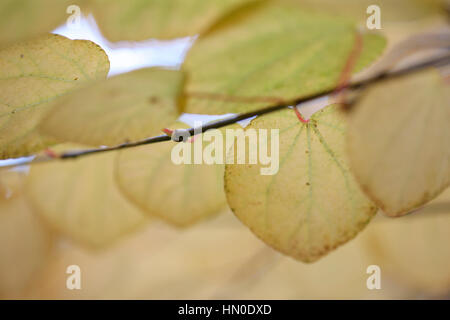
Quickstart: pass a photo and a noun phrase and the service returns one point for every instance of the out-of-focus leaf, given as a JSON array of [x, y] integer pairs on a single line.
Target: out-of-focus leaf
[[340, 275], [24, 19], [409, 51], [415, 249], [312, 204], [81, 200], [32, 75], [140, 20], [127, 107], [218, 259], [159, 263], [390, 11], [181, 194], [275, 52], [24, 241], [399, 140]]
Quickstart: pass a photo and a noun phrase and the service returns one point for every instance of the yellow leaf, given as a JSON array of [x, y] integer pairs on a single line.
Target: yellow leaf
[[182, 193], [312, 204], [399, 140], [24, 241], [127, 107], [274, 52], [26, 19], [80, 199], [32, 75], [415, 248], [140, 20]]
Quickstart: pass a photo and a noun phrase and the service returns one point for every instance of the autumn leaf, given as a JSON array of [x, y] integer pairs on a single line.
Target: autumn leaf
[[25, 242], [127, 107], [312, 204], [399, 140], [163, 19], [35, 73], [275, 52], [181, 194], [80, 199]]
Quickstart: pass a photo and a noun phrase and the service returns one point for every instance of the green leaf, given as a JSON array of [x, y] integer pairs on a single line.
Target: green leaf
[[32, 75], [313, 204], [140, 20], [81, 200], [180, 194], [274, 52], [399, 140], [127, 107]]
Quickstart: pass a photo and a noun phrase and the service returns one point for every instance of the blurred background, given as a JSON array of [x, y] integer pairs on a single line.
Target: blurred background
[[219, 258]]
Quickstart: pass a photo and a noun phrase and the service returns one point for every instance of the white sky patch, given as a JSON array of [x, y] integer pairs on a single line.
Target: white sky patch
[[126, 56], [190, 118]]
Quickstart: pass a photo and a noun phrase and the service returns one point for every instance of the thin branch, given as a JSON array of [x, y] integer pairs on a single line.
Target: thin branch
[[382, 76]]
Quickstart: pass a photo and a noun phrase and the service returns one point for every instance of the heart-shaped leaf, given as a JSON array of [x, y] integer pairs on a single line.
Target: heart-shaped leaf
[[399, 141], [312, 204]]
